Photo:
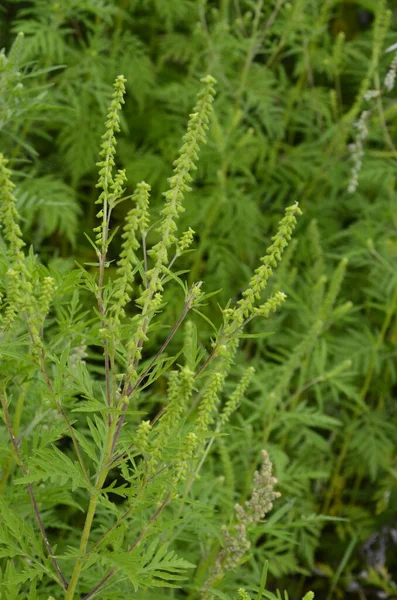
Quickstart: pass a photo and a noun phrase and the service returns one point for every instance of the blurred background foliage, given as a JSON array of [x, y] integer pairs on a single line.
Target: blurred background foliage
[[292, 78]]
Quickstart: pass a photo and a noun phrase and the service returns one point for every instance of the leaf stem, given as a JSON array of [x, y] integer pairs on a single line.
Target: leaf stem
[[25, 471], [154, 516], [44, 372]]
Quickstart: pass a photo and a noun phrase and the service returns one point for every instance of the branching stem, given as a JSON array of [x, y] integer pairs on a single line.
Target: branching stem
[[132, 388]]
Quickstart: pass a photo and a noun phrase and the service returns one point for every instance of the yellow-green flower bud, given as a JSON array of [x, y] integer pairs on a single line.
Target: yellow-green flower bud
[[110, 187], [245, 306], [142, 436], [183, 165], [46, 296], [185, 455], [137, 219], [186, 241], [235, 398], [270, 306]]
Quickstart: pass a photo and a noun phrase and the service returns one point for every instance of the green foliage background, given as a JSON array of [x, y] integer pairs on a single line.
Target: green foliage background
[[291, 83]]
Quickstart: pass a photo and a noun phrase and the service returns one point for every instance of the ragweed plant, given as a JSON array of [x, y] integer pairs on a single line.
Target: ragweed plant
[[81, 398], [293, 79]]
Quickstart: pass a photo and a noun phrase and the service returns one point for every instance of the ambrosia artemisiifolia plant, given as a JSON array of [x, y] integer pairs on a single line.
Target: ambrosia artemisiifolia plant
[[76, 423], [293, 80]]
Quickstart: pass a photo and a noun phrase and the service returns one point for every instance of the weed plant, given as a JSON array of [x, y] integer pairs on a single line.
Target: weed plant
[[304, 111], [123, 545]]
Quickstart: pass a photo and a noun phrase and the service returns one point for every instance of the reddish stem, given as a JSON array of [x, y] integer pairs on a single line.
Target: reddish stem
[[31, 494]]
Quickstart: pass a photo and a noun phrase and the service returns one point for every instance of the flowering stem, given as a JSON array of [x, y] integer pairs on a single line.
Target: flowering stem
[[144, 248], [132, 388], [101, 309]]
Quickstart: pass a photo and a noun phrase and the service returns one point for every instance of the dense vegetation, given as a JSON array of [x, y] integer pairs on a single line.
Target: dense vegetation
[[304, 112]]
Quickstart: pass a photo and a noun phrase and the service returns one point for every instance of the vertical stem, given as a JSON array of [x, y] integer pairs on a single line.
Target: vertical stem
[[335, 475], [83, 546], [101, 309], [91, 512], [31, 493], [225, 10], [386, 322], [15, 426], [145, 261]]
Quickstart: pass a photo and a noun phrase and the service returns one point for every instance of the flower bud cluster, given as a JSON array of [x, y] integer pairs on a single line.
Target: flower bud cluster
[[20, 296], [117, 187], [271, 305], [110, 186], [390, 78], [356, 150], [371, 95], [234, 400], [184, 164], [211, 397], [236, 544], [246, 306], [180, 390], [185, 455], [46, 296], [137, 220], [185, 241], [142, 436], [263, 494], [235, 538], [19, 290]]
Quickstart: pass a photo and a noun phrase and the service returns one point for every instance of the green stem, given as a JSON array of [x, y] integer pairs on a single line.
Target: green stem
[[15, 426], [225, 10], [333, 484], [70, 593], [83, 546], [387, 320]]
